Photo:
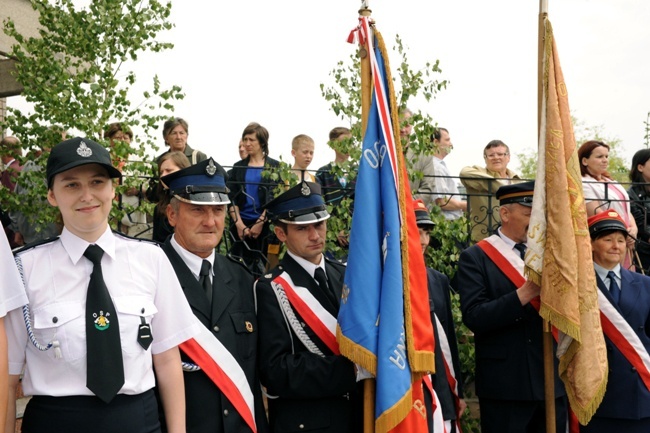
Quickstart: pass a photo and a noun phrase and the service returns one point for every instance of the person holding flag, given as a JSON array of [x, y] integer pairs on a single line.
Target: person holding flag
[[497, 304], [624, 301], [310, 385]]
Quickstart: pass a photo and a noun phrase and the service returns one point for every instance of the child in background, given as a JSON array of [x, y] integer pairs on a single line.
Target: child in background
[[302, 150]]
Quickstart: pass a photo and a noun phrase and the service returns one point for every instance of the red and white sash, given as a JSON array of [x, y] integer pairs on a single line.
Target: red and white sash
[[621, 334], [506, 259], [223, 369], [510, 263], [449, 369], [317, 318], [438, 421]]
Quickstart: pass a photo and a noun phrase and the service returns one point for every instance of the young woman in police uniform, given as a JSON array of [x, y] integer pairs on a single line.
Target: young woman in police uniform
[[53, 342]]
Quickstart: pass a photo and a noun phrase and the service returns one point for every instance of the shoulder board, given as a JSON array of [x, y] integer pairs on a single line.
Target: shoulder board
[[335, 263], [273, 273], [122, 235], [238, 261], [27, 247]]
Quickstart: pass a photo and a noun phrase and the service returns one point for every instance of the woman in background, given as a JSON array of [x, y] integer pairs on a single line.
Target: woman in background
[[175, 133], [602, 192], [133, 223], [168, 163], [249, 191], [639, 193]]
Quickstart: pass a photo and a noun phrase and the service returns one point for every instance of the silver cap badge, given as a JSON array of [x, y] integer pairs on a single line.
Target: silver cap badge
[[211, 169], [84, 151]]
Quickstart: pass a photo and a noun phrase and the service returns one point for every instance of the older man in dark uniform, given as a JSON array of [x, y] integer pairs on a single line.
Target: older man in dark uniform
[[222, 390], [506, 325], [310, 386]]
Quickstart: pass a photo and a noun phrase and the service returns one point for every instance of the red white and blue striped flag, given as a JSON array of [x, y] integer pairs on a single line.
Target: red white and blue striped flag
[[384, 323]]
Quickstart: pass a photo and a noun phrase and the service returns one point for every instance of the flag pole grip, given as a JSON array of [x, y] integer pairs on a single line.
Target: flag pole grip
[[369, 406], [549, 377]]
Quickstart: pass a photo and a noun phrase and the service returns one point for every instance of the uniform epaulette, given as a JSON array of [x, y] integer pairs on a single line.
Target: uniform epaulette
[[273, 273], [122, 235], [33, 245], [239, 262], [335, 262]]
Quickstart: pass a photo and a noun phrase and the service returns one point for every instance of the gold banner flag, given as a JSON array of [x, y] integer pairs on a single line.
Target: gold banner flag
[[559, 257]]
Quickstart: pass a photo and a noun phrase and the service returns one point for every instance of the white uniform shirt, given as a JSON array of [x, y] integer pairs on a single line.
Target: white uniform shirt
[[12, 292], [192, 261], [142, 283], [307, 265]]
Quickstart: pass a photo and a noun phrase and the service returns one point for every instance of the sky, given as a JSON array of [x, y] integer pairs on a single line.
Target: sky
[[264, 61]]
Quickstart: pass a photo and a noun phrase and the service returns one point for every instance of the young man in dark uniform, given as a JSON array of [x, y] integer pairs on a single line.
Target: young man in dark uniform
[[220, 292], [310, 386]]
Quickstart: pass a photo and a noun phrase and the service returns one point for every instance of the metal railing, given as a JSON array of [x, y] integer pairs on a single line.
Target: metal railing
[[482, 210]]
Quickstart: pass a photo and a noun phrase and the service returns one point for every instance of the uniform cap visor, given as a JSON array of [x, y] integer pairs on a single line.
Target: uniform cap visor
[[308, 218], [112, 171], [204, 198]]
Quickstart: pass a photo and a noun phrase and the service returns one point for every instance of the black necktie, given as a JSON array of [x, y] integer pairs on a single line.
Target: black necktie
[[613, 286], [105, 369], [321, 279], [522, 250], [204, 279]]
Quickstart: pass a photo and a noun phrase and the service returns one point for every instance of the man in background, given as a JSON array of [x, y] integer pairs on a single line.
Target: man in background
[[447, 197], [420, 165], [482, 182]]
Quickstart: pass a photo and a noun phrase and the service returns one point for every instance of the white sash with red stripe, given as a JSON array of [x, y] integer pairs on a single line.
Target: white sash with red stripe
[[299, 299], [223, 369], [449, 369], [621, 334]]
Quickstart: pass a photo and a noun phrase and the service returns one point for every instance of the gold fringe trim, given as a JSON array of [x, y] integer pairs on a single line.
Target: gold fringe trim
[[424, 360], [561, 322], [418, 360], [395, 415], [582, 412], [533, 275], [356, 352]]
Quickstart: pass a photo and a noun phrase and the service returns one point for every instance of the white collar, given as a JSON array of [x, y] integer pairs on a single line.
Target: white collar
[[75, 246], [602, 272], [191, 260], [307, 265], [511, 244]]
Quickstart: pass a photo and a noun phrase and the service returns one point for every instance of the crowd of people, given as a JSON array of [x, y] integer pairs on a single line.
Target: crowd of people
[[152, 329]]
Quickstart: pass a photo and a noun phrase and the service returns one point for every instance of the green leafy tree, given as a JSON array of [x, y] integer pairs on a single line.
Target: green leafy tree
[[618, 168], [344, 96], [74, 78]]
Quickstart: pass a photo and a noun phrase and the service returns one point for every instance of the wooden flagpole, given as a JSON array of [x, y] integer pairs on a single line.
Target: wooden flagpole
[[369, 385], [547, 336]]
